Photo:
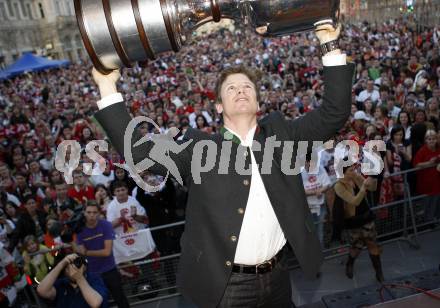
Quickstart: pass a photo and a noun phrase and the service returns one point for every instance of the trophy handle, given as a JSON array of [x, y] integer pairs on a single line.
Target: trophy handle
[[216, 14]]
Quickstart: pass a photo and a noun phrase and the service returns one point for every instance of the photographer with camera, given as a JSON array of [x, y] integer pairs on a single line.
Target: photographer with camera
[[77, 289]]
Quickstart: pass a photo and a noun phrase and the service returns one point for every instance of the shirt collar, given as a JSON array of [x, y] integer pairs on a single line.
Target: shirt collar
[[229, 134]]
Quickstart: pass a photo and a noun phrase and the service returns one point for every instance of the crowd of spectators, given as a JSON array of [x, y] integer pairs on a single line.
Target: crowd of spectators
[[395, 98]]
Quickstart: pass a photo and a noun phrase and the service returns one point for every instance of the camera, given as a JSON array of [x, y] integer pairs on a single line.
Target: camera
[[79, 261], [76, 222]]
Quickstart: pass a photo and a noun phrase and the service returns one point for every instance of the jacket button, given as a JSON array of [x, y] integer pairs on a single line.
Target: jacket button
[[233, 238], [246, 182], [228, 263], [240, 211]]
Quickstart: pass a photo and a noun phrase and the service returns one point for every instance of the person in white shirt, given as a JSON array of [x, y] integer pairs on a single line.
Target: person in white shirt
[[9, 197], [198, 110], [47, 162], [316, 183], [393, 110], [6, 229], [369, 93], [125, 212], [100, 176]]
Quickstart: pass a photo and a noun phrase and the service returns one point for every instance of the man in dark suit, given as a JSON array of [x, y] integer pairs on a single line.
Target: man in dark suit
[[238, 221]]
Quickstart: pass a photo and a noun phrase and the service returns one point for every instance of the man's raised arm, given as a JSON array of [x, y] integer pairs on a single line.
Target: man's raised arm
[[114, 119], [323, 122]]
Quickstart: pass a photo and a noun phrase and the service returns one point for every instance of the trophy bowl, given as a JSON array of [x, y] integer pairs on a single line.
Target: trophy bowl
[[118, 33]]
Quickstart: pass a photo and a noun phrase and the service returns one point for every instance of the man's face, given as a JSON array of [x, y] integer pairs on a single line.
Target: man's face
[[91, 214], [67, 132], [238, 95], [390, 104], [34, 167], [29, 143], [121, 194], [306, 100], [4, 171], [18, 160], [384, 95], [370, 85], [78, 179], [21, 180], [197, 97], [197, 108], [61, 190], [49, 140], [409, 106], [31, 206], [273, 97]]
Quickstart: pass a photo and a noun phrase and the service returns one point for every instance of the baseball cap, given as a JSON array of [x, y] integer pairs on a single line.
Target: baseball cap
[[360, 115]]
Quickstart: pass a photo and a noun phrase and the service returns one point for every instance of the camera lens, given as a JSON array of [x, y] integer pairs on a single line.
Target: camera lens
[[79, 261]]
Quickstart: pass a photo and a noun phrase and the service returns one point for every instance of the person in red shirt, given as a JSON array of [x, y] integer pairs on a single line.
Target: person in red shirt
[[80, 191], [307, 104], [428, 180]]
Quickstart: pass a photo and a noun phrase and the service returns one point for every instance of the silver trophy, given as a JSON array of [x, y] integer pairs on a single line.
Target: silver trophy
[[118, 33]]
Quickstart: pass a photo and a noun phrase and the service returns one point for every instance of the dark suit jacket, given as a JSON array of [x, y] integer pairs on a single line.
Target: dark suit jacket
[[214, 208]]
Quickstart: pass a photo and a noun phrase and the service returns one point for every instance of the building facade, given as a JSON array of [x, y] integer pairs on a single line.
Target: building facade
[[425, 12], [46, 27]]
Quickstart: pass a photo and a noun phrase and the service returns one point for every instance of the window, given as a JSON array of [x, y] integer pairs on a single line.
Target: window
[[23, 9], [40, 7], [69, 7], [10, 9], [67, 42], [29, 10], [3, 13], [17, 10], [57, 8], [78, 41]]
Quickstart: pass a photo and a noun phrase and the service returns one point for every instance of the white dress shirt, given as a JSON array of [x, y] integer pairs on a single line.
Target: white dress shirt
[[365, 94], [261, 236]]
